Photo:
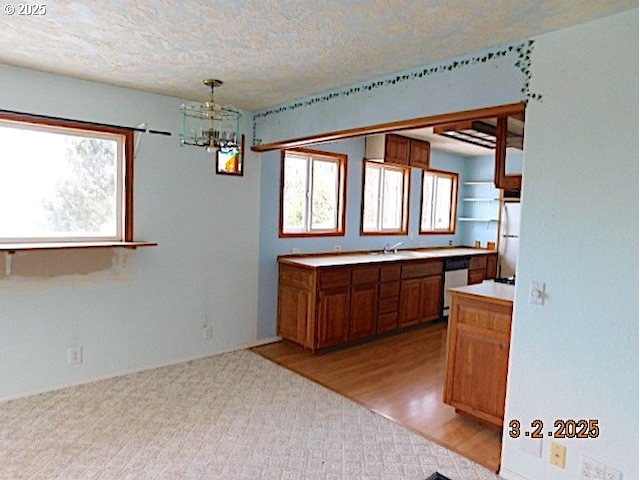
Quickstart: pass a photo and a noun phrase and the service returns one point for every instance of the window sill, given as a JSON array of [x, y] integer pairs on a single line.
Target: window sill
[[19, 247]]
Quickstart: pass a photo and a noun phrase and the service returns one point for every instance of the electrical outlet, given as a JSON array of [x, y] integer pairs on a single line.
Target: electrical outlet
[[533, 446], [207, 332], [591, 469], [74, 355], [337, 248], [558, 455], [296, 250], [612, 474]]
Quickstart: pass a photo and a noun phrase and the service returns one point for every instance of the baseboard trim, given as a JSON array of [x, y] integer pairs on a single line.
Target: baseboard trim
[[511, 475], [129, 371]]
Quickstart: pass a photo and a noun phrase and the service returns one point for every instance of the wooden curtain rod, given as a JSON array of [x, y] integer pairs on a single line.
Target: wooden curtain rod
[[28, 116]]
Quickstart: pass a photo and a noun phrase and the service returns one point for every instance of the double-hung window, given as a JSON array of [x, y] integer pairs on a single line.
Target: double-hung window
[[439, 195], [312, 193], [64, 182], [384, 199]]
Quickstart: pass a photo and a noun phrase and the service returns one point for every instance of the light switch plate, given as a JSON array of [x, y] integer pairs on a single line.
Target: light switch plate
[[537, 293]]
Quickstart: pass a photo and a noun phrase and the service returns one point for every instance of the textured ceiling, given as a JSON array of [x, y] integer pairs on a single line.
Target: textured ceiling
[[270, 51]]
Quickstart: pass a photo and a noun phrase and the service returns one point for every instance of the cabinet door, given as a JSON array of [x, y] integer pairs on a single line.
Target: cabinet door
[[409, 310], [333, 316], [480, 373], [295, 314], [492, 266], [364, 311], [419, 154], [396, 150], [476, 276], [430, 298]]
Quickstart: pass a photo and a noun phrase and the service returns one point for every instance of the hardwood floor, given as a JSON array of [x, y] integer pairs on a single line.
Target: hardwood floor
[[402, 378]]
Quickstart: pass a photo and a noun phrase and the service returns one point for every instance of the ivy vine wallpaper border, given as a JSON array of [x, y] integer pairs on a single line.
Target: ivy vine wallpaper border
[[524, 51]]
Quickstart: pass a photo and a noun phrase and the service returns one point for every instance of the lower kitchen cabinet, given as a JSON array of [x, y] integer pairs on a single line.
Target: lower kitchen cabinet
[[430, 298], [478, 341], [420, 293], [330, 305], [409, 311], [333, 316], [364, 311]]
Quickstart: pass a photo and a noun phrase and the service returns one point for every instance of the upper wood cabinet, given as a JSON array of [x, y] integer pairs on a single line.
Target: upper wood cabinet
[[419, 154], [398, 150], [510, 183]]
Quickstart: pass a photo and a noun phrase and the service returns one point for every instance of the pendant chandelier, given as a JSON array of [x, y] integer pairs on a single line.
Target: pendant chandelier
[[210, 125]]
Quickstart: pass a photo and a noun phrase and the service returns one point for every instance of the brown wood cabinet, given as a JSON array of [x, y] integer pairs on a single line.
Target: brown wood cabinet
[[420, 292], [478, 342], [420, 154], [407, 152], [364, 302], [396, 150], [477, 269], [329, 305], [492, 266], [388, 298]]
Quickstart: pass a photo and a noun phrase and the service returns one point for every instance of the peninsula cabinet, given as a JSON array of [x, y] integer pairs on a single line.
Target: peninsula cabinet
[[478, 340]]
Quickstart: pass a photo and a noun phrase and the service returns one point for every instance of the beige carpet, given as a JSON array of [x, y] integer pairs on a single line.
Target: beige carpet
[[230, 416]]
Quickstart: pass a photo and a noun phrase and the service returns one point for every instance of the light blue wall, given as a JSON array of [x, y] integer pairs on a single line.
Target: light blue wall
[[203, 271], [486, 79], [576, 356], [271, 245]]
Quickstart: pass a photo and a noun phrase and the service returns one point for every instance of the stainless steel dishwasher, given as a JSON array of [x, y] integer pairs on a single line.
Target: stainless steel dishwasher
[[456, 274]]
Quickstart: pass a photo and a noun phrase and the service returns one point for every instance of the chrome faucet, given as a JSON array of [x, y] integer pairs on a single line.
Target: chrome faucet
[[388, 248]]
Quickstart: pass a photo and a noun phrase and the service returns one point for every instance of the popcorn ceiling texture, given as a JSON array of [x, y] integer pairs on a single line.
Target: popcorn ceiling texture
[[230, 416], [269, 52]]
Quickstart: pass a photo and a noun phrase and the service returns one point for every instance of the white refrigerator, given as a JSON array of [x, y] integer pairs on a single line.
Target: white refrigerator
[[509, 239]]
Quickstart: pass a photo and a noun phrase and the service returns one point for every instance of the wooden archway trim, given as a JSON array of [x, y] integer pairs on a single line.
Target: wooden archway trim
[[422, 122]]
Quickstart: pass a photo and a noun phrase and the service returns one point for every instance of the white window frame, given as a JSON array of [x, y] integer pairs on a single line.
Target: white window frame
[[313, 156], [379, 214]]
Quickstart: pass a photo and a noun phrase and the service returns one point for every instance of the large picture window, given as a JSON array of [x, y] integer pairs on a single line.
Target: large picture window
[[64, 182], [312, 193], [439, 195], [384, 199]]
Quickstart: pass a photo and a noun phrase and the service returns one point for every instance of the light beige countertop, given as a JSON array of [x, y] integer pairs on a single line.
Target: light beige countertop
[[489, 290], [344, 259]]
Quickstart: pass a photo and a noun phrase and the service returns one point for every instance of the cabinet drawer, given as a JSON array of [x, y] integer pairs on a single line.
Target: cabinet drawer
[[478, 262], [338, 277], [389, 273], [389, 289], [425, 269], [387, 322], [362, 275], [388, 305], [297, 276], [490, 317]]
